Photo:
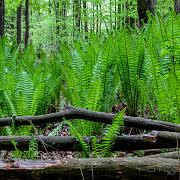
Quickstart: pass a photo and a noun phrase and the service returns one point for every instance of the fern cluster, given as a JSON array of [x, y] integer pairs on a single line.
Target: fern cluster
[[27, 86], [90, 79], [163, 55]]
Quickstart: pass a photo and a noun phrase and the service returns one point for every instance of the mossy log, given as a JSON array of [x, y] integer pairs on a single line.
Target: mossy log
[[97, 168], [173, 155]]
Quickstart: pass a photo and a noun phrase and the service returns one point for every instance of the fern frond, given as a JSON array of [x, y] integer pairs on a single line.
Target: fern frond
[[78, 136], [109, 136]]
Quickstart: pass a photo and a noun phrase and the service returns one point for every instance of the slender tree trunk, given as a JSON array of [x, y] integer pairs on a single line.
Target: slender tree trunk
[[143, 6], [129, 20], [64, 14], [97, 18], [85, 17], [110, 15], [77, 16], [2, 16], [177, 6], [93, 17], [58, 23], [19, 14], [118, 14], [49, 7], [57, 20], [100, 18], [26, 38], [115, 15]]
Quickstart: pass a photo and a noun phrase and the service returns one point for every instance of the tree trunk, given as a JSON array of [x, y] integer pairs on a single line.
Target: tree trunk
[[118, 14], [177, 6], [19, 14], [97, 17], [173, 155], [85, 18], [2, 16], [57, 20], [129, 20], [26, 38], [68, 143], [77, 17], [142, 7], [93, 168], [64, 15]]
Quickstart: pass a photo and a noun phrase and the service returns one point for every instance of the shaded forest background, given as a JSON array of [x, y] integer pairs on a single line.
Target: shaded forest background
[[46, 24]]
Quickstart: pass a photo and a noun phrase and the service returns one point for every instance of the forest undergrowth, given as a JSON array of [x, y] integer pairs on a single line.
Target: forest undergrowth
[[134, 69]]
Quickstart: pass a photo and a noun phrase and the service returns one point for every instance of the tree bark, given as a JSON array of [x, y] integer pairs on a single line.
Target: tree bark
[[118, 14], [122, 143], [93, 168], [2, 16], [57, 21], [101, 117], [173, 155], [142, 7], [19, 14], [64, 15], [26, 38], [149, 152], [77, 17], [85, 18], [129, 20], [177, 6]]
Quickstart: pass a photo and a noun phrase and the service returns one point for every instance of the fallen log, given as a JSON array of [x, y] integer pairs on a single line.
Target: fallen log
[[164, 136], [149, 152], [155, 140], [97, 168], [101, 117], [173, 155]]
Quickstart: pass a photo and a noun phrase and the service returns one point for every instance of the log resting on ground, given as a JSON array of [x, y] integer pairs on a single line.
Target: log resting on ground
[[100, 168], [149, 152], [173, 155], [155, 140], [101, 117]]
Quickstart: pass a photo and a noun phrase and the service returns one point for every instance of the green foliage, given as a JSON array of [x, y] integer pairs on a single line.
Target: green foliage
[[32, 153], [129, 56], [27, 88], [110, 134], [102, 148], [94, 70], [162, 52], [93, 79]]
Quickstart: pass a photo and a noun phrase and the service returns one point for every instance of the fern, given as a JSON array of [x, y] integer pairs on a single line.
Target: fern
[[110, 134], [56, 131], [85, 87], [78, 136], [163, 54], [129, 55], [33, 149]]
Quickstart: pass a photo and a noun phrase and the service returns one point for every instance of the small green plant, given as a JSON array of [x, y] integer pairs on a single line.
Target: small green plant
[[101, 147]]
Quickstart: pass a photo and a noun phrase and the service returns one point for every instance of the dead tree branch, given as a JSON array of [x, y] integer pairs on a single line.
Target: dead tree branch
[[101, 117], [156, 140]]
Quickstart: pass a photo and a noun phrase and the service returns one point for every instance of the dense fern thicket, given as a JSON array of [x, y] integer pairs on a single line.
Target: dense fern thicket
[[163, 55], [28, 85], [139, 67]]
